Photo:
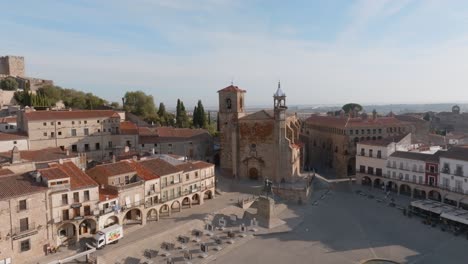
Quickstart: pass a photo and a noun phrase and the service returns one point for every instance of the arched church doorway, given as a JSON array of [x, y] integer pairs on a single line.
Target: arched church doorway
[[253, 173]]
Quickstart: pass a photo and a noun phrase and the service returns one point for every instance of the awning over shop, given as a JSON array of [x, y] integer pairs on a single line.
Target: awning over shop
[[452, 197], [433, 206], [460, 216]]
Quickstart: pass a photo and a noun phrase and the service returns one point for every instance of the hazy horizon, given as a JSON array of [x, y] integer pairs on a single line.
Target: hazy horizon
[[324, 52]]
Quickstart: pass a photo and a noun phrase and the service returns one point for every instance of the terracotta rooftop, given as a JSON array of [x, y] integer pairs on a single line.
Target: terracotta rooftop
[[105, 193], [11, 136], [110, 169], [232, 88], [142, 171], [19, 185], [161, 134], [10, 119], [348, 122], [159, 167], [78, 178], [43, 155], [53, 173], [128, 128], [5, 172], [75, 114], [196, 165]]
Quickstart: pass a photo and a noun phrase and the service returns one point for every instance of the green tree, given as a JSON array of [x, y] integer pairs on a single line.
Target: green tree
[[352, 107], [163, 115], [202, 123], [182, 119], [115, 105], [195, 117], [52, 93], [9, 84], [142, 105]]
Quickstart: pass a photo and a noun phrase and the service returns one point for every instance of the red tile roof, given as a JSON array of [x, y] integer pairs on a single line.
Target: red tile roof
[[19, 185], [191, 166], [128, 128], [5, 172], [11, 136], [110, 169], [142, 171], [105, 193], [76, 114], [53, 173], [159, 167], [78, 178], [43, 155], [11, 119], [162, 134], [347, 122], [232, 88]]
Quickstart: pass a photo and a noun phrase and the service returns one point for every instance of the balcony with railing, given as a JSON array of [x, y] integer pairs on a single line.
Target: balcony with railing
[[133, 205], [122, 187], [24, 230]]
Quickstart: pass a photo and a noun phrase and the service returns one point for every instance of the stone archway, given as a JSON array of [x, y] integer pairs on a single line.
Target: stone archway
[[175, 206], [133, 216], [208, 195], [111, 220], [391, 186], [164, 210], [377, 183], [195, 199], [253, 174], [186, 202], [405, 189], [366, 181], [434, 195], [67, 233], [152, 215], [87, 226], [419, 194], [351, 168]]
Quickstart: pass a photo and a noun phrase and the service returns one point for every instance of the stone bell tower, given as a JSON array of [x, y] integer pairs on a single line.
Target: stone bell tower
[[279, 104], [231, 108]]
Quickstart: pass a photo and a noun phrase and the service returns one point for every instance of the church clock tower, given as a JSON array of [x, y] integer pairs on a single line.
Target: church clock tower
[[279, 105], [231, 108]]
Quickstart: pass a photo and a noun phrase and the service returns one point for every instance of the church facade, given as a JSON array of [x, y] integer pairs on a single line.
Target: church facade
[[259, 145]]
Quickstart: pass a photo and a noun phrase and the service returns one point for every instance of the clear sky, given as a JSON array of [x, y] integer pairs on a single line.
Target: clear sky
[[324, 52]]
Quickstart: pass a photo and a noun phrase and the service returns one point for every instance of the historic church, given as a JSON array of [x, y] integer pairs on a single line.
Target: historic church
[[259, 145]]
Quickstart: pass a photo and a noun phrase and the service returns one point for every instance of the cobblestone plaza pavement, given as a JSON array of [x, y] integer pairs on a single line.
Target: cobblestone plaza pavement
[[335, 226], [345, 227]]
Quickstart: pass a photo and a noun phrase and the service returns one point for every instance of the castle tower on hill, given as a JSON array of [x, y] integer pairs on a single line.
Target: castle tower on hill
[[259, 145], [12, 66]]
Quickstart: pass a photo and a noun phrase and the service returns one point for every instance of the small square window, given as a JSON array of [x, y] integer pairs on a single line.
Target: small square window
[[98, 121], [44, 124], [25, 245], [14, 142], [73, 122], [60, 133], [45, 134], [59, 123], [86, 122], [51, 123]]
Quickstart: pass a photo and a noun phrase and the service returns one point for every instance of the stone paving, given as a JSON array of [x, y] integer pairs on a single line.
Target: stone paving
[[343, 226]]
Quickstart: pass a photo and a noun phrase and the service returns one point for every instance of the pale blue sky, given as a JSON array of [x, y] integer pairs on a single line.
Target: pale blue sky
[[324, 52]]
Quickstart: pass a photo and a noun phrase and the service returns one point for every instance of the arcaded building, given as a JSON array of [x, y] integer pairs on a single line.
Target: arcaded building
[[259, 145]]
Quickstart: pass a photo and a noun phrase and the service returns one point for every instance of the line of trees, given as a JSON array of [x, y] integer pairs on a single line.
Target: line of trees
[[49, 95], [142, 105]]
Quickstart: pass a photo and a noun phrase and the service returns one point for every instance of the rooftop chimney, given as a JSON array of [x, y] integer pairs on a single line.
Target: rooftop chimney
[[15, 155]]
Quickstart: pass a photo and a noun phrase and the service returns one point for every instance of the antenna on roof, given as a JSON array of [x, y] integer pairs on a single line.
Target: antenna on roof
[[232, 80]]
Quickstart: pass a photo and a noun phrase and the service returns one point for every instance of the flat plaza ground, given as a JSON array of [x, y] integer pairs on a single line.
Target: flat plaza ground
[[344, 227], [336, 225]]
